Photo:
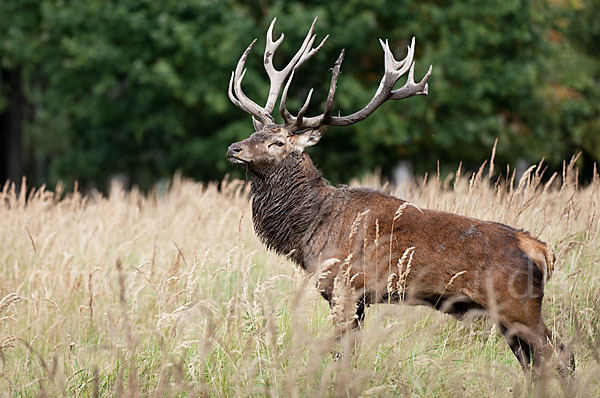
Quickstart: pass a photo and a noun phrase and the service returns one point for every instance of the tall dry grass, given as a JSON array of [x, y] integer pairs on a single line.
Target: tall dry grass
[[172, 294]]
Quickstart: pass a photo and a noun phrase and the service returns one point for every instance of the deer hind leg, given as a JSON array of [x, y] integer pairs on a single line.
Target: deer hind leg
[[349, 318], [520, 347], [520, 321], [346, 324], [555, 348], [359, 319], [532, 344]]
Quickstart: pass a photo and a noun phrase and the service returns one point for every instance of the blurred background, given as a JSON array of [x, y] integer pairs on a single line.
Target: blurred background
[[136, 90]]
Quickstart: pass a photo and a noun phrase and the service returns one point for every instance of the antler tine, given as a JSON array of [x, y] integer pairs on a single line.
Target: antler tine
[[397, 68], [272, 45], [334, 77], [389, 57], [257, 125], [299, 122], [242, 101], [308, 54], [235, 101], [410, 87], [393, 71], [288, 119], [302, 110], [277, 78]]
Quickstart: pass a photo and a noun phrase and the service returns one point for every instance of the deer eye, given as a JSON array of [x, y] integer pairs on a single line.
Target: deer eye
[[278, 143]]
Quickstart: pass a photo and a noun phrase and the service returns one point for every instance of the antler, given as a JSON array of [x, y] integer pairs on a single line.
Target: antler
[[393, 71], [262, 115]]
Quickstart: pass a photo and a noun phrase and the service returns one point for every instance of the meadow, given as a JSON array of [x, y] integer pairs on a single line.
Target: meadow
[[171, 294]]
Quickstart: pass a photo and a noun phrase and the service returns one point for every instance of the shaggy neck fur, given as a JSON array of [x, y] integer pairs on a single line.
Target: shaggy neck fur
[[290, 202]]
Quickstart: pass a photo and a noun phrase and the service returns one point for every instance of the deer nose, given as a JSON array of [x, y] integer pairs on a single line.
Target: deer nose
[[234, 149]]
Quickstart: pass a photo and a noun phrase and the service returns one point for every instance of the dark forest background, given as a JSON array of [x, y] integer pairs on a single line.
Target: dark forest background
[[138, 88]]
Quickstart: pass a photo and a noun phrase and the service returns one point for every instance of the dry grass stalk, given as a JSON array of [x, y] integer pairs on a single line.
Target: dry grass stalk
[[453, 278], [9, 300], [216, 314]]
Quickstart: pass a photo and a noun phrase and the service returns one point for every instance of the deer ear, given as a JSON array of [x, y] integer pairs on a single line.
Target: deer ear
[[308, 137]]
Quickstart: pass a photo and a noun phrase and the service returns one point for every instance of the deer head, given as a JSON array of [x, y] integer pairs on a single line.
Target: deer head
[[273, 143]]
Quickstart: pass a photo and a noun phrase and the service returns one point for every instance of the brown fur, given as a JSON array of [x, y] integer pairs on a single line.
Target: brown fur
[[388, 250], [539, 253]]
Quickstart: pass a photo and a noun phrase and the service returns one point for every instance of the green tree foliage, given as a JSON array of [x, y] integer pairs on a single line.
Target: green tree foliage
[[574, 90], [138, 87]]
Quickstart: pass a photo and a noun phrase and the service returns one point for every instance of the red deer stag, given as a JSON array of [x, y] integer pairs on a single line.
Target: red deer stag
[[382, 248]]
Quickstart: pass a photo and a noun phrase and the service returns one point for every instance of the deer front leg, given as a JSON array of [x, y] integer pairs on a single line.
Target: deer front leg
[[348, 321], [348, 317], [347, 299]]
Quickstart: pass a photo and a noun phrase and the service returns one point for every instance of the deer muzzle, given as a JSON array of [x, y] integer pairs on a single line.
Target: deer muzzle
[[233, 153]]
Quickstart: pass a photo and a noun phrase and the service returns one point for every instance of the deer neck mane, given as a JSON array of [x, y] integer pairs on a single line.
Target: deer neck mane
[[288, 205]]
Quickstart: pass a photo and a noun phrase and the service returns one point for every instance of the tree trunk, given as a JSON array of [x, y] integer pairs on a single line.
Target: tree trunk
[[11, 128]]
